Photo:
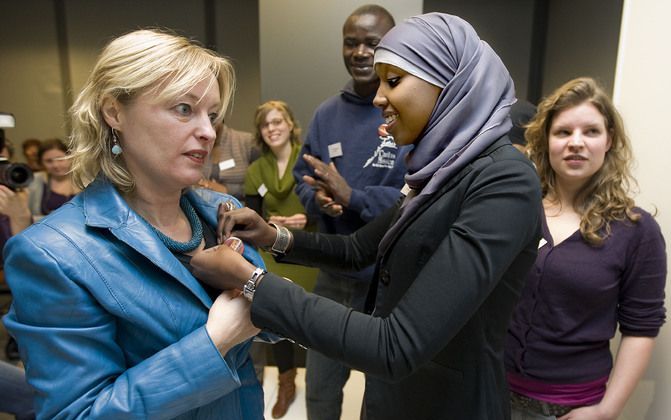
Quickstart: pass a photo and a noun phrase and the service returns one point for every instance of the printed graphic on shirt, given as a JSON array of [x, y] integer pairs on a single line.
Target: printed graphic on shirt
[[385, 154]]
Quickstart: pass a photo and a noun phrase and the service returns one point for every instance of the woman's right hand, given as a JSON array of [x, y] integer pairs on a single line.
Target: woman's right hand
[[14, 204], [229, 321], [245, 224]]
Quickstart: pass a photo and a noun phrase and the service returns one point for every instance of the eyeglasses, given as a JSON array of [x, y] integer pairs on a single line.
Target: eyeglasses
[[274, 123]]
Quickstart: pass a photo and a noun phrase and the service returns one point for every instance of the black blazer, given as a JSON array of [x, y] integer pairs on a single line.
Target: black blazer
[[441, 298]]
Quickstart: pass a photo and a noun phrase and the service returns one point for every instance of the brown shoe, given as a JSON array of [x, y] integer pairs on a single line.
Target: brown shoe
[[286, 393]]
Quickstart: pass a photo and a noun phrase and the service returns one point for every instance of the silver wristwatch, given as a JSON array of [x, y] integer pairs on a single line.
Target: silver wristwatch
[[250, 286]]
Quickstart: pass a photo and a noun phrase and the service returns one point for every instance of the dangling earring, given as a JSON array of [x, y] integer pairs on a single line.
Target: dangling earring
[[116, 149]]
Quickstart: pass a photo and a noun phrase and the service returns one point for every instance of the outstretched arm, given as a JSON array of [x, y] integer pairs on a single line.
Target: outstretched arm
[[457, 276]]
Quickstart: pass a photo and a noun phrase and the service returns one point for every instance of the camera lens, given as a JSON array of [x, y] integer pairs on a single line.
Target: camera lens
[[15, 175], [20, 176]]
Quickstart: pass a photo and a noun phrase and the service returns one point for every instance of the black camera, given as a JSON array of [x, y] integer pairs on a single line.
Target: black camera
[[13, 175]]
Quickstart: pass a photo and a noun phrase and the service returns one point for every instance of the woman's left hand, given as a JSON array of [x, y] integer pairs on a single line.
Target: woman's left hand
[[592, 412], [221, 267], [229, 322], [297, 221]]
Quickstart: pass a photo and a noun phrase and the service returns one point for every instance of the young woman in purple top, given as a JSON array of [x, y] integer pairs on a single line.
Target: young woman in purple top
[[601, 262]]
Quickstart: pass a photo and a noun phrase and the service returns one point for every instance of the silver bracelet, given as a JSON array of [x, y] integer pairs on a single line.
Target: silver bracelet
[[283, 240], [250, 287]]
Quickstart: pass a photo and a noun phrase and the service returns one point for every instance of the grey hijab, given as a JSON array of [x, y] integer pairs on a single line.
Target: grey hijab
[[471, 112]]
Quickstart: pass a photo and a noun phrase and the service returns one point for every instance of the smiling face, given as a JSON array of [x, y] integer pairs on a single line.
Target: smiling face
[[276, 131], [166, 144], [577, 144], [406, 102], [54, 164], [361, 34]]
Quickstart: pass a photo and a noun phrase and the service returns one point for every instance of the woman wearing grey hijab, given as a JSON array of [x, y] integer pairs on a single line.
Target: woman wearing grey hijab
[[450, 257]]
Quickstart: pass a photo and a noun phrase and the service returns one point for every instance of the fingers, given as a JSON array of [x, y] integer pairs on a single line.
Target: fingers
[[220, 267], [321, 169], [223, 216], [229, 322], [310, 180], [334, 210], [297, 221], [221, 233], [280, 220], [313, 161]]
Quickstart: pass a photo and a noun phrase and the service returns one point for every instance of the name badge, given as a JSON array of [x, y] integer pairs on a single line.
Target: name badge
[[262, 190], [226, 164], [541, 243], [335, 150]]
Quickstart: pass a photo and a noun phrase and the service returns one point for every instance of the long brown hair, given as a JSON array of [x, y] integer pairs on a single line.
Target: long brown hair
[[606, 196]]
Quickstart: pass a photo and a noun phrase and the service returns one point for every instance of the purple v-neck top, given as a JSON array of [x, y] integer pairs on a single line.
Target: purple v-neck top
[[575, 297]]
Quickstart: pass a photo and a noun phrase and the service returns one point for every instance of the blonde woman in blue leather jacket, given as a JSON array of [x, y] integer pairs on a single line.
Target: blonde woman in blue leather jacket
[[109, 320]]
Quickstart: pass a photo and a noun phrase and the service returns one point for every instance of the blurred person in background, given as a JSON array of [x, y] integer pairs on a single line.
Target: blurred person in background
[[31, 149], [52, 187], [269, 190]]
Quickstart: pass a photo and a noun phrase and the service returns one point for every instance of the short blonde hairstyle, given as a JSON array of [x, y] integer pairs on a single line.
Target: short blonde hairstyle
[[607, 195], [144, 61], [260, 118]]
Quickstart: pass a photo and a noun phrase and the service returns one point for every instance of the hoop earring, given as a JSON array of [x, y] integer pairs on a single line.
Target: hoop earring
[[116, 148]]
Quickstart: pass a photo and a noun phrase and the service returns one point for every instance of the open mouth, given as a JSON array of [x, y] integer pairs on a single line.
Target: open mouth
[[197, 156]]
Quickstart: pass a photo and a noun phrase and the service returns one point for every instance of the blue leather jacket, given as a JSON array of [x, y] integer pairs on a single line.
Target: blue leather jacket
[[111, 325]]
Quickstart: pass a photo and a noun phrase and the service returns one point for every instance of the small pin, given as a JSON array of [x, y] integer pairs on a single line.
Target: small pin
[[235, 244]]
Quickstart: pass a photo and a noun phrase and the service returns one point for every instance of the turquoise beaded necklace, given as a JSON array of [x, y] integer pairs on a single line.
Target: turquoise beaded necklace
[[196, 230]]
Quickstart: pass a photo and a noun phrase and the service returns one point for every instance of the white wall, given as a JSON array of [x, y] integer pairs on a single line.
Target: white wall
[[641, 92], [301, 49]]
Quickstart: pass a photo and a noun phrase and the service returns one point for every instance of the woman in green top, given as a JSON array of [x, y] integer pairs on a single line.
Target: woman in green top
[[269, 190]]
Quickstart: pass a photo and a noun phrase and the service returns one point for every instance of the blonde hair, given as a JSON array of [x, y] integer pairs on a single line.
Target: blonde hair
[[260, 119], [144, 61], [606, 196]]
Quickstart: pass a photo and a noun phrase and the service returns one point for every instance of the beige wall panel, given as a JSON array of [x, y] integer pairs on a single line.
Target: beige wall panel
[[642, 91], [91, 24], [30, 81], [238, 38]]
